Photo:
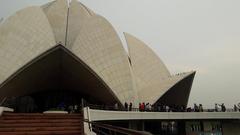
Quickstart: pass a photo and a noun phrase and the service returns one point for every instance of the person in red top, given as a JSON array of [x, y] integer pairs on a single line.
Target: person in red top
[[143, 106], [139, 107]]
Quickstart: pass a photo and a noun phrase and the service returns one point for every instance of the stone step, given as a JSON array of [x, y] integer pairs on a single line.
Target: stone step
[[3, 125], [42, 121], [41, 124], [41, 114], [43, 133], [26, 129], [38, 117]]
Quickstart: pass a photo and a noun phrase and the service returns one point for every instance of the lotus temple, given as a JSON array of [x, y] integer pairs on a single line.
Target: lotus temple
[[64, 70]]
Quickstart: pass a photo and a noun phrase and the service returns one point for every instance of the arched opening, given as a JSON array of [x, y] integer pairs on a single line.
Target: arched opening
[[58, 75]]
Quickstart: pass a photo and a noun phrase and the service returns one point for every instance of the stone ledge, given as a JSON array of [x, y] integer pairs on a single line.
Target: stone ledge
[[5, 109]]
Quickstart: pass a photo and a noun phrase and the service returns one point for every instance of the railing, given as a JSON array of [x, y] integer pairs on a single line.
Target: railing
[[153, 109], [105, 129], [8, 102], [2, 102]]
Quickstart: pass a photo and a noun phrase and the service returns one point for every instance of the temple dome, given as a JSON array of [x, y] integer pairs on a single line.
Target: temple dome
[[31, 33]]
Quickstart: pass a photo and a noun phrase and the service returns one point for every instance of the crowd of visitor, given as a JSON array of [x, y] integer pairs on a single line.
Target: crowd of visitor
[[222, 106], [147, 107], [236, 108]]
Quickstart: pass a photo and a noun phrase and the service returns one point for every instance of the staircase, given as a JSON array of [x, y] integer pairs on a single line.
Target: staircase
[[40, 124]]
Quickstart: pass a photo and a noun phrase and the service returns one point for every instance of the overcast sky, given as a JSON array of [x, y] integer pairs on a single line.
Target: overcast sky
[[201, 35]]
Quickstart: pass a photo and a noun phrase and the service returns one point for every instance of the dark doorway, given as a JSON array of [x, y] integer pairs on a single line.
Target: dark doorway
[[58, 72], [51, 100]]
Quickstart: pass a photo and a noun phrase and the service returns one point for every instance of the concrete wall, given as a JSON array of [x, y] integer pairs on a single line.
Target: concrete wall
[[102, 115]]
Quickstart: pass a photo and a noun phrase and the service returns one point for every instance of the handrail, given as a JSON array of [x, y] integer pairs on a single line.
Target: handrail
[[105, 129], [4, 99]]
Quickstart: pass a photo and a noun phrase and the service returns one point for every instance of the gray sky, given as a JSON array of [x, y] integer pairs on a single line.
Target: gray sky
[[201, 35]]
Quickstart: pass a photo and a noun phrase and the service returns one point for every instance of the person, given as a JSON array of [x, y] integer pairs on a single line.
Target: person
[[189, 109], [151, 108], [239, 107], [196, 109], [116, 106], [70, 109], [144, 106], [235, 108], [126, 106], [147, 107], [216, 107], [223, 107], [167, 108], [76, 109], [200, 108], [140, 107], [183, 108], [130, 106]]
